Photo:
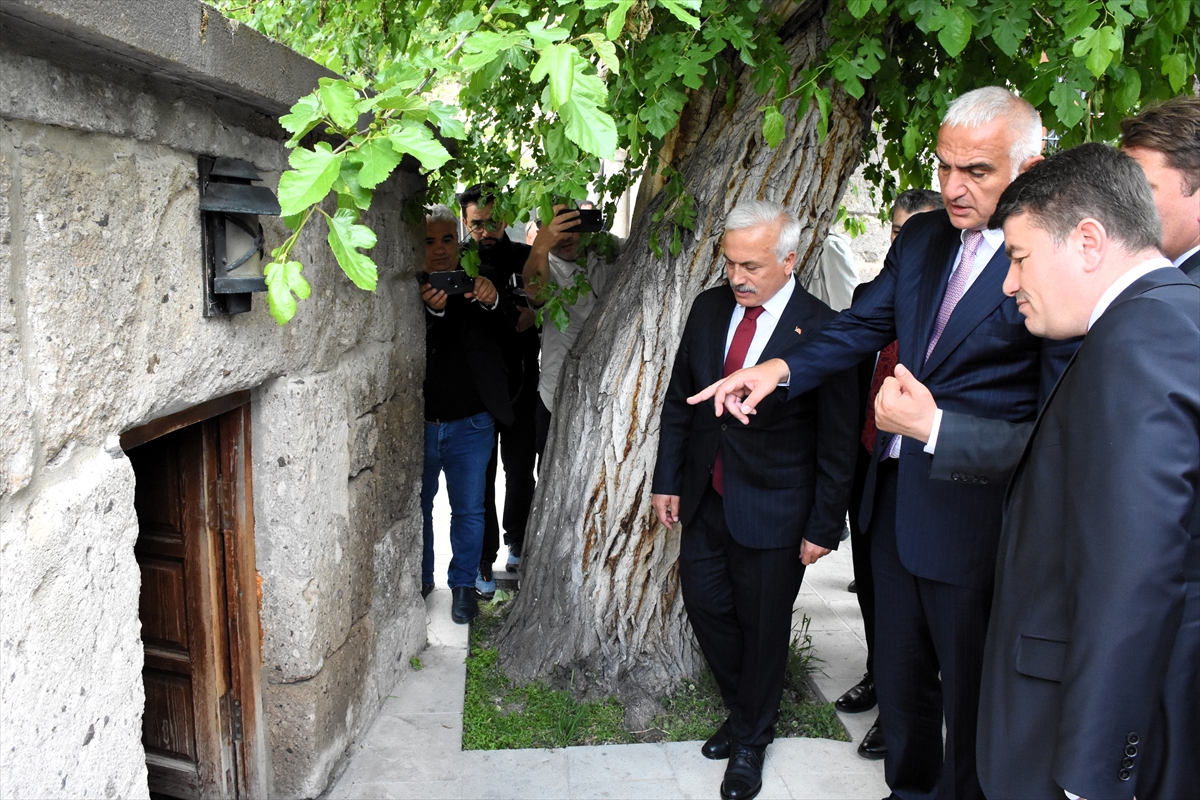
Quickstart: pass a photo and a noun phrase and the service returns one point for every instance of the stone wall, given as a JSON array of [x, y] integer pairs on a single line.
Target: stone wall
[[102, 118]]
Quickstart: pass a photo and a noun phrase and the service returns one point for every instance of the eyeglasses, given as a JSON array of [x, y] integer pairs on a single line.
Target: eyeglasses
[[483, 225]]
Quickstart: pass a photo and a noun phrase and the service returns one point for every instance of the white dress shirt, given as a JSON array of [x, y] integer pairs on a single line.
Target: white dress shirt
[[993, 242], [765, 324], [1179, 261], [1122, 283]]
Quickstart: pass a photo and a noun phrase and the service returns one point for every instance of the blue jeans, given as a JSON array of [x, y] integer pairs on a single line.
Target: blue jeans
[[462, 449]]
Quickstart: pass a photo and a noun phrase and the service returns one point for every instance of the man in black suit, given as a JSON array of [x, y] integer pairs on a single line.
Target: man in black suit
[[1092, 668], [758, 502], [933, 539], [1165, 140]]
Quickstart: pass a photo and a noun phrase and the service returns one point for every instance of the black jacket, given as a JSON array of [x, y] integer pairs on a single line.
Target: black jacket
[[787, 474]]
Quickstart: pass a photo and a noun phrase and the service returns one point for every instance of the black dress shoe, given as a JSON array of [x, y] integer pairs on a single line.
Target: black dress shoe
[[426, 590], [743, 776], [852, 586], [872, 746], [465, 605], [859, 698], [717, 746]]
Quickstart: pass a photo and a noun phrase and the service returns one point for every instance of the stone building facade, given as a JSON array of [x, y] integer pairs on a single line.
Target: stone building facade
[[105, 109]]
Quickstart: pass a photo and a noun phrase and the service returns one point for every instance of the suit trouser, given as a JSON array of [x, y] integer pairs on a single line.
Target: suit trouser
[[924, 627], [864, 580], [739, 600]]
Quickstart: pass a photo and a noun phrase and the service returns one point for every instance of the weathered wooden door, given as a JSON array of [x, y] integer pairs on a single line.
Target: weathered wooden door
[[192, 501]]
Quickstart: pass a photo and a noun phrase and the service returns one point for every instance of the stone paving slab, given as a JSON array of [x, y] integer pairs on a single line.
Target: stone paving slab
[[414, 748]]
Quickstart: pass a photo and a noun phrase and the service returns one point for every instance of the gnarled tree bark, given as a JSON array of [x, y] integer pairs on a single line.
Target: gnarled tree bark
[[600, 593]]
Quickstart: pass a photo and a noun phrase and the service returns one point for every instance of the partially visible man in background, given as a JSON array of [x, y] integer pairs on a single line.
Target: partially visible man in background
[[871, 373], [1165, 141], [516, 446]]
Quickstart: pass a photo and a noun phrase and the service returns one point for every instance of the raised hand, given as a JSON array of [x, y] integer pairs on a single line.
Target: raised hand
[[905, 406]]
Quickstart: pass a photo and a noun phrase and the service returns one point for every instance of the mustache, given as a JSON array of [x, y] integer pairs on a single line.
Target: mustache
[[744, 287]]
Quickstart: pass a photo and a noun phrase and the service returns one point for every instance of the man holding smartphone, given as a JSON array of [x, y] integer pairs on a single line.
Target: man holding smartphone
[[556, 258], [466, 395]]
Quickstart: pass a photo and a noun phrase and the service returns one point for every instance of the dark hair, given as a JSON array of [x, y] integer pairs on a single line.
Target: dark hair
[[475, 194], [1173, 129], [1091, 180], [914, 200]]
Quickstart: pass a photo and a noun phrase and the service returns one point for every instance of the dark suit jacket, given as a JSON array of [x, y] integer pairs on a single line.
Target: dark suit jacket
[[480, 331], [1094, 641], [986, 365], [1191, 267], [787, 474]]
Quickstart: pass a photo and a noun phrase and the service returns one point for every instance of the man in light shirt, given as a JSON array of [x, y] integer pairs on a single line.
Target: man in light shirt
[[1093, 652], [554, 258]]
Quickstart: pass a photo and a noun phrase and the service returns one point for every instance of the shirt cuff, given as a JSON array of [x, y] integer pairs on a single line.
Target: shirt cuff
[[441, 313], [931, 445], [1071, 796]]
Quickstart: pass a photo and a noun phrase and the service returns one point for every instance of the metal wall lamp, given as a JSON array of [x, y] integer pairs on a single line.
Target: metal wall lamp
[[234, 252]]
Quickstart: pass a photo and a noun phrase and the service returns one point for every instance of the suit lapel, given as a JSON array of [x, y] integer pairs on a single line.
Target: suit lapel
[[791, 326], [717, 335], [1037, 424], [980, 300], [934, 278]]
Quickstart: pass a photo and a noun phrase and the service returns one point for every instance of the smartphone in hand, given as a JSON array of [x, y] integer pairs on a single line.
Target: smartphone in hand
[[453, 282]]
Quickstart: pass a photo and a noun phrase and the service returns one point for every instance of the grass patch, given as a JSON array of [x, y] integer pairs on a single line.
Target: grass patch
[[498, 715]]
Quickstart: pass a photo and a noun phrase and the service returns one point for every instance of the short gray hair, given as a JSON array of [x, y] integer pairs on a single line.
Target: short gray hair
[[981, 106], [752, 213], [440, 213]]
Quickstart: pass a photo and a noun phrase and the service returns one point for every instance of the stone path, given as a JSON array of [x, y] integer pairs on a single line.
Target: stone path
[[414, 749]]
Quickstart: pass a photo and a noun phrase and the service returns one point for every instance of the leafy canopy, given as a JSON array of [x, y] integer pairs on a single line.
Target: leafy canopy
[[535, 93]]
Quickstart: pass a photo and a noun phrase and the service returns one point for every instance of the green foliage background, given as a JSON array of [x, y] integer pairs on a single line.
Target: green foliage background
[[536, 93]]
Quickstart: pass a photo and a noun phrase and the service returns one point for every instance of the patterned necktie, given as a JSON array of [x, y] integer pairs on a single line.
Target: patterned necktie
[[734, 359], [954, 292], [956, 287]]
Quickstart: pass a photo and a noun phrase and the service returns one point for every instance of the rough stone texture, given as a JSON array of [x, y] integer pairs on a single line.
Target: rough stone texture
[[870, 247], [100, 332], [70, 652]]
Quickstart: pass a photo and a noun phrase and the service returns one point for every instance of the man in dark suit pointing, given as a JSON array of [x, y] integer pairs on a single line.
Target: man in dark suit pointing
[[1092, 667], [758, 502], [933, 540]]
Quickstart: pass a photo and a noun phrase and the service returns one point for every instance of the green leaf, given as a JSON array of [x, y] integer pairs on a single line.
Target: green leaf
[[956, 30], [557, 63], [773, 127], [284, 280], [822, 96], [1102, 51], [1175, 15], [351, 194], [558, 148], [616, 20], [313, 173], [542, 36], [678, 10], [692, 72], [450, 126], [345, 239], [1008, 32], [1128, 91], [606, 51], [401, 100], [858, 8], [1175, 67], [304, 116], [378, 159], [590, 127], [340, 101], [1079, 20], [1068, 103], [417, 141]]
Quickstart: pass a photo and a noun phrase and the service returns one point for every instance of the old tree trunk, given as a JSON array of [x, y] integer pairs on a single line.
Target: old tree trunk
[[600, 595]]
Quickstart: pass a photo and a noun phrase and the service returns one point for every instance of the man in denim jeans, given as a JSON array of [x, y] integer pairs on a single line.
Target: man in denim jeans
[[466, 393]]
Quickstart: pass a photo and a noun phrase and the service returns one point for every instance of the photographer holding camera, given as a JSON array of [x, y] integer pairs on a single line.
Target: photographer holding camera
[[466, 395], [556, 258]]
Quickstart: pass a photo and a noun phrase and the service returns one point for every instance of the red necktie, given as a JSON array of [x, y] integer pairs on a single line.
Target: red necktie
[[734, 360], [888, 358]]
